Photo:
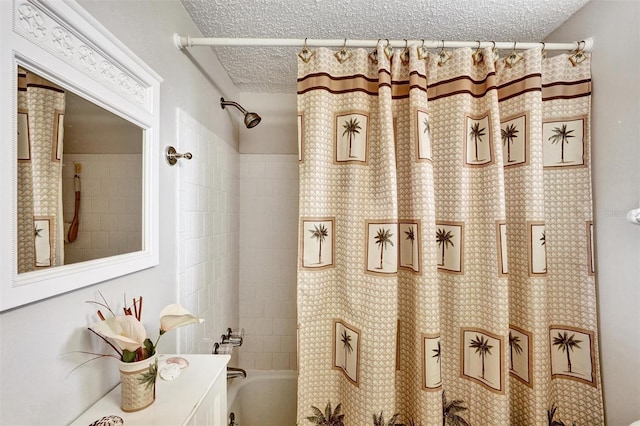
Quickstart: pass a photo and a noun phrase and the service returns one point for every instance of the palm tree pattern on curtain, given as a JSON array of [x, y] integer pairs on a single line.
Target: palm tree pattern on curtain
[[565, 142], [351, 128], [319, 232], [423, 136], [346, 343], [383, 238], [317, 241], [514, 346], [476, 134], [509, 134], [567, 344], [484, 214], [561, 135], [432, 358], [327, 418], [444, 239], [551, 416], [452, 412], [483, 349], [572, 354], [411, 236], [346, 350], [437, 355]]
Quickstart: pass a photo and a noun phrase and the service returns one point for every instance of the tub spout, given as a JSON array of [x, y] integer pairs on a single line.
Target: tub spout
[[233, 373]]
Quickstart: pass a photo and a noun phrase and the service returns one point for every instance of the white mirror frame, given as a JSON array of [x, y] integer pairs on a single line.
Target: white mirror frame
[[63, 43]]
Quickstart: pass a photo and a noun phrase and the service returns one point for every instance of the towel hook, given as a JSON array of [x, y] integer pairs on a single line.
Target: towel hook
[[173, 156]]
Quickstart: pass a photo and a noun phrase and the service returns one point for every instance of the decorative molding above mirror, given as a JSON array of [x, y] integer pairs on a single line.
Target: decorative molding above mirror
[[60, 42]]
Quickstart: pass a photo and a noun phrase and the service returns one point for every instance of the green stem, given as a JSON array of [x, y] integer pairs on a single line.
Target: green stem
[[155, 345]]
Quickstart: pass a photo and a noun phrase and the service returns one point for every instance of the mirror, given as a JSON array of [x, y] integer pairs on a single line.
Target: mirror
[[85, 201], [100, 157]]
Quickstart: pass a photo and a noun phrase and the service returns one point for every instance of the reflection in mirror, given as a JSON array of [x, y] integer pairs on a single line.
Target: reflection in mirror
[[79, 178]]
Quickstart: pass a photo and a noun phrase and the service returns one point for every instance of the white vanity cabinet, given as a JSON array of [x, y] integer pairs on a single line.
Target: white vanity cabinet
[[197, 397]]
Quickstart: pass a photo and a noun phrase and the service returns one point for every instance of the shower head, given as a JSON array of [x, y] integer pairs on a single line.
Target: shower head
[[251, 119]]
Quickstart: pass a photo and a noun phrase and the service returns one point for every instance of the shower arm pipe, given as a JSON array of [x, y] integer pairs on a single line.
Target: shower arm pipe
[[183, 42]]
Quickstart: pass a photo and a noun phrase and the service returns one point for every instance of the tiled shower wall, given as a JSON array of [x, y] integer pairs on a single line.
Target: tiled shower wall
[[207, 234], [237, 247], [268, 260]]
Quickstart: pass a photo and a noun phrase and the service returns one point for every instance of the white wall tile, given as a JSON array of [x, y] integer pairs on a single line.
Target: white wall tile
[[268, 221], [264, 361], [281, 361], [206, 281]]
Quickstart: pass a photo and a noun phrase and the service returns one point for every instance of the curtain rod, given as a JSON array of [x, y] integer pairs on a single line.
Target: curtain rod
[[183, 42]]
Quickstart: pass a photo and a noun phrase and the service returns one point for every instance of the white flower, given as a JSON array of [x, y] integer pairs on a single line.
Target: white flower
[[126, 331], [174, 316], [129, 334]]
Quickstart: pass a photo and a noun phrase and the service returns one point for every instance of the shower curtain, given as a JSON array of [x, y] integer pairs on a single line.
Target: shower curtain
[[41, 107], [446, 270]]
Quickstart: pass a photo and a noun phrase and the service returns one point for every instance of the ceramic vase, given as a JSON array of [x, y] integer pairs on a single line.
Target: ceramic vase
[[138, 383]]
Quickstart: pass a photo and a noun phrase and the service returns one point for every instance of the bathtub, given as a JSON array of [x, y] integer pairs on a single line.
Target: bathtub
[[263, 398]]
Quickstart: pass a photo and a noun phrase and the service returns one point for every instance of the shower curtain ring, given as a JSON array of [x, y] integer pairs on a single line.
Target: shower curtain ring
[[478, 56], [343, 54], [513, 58], [373, 56], [578, 55], [388, 50], [443, 56], [422, 51], [494, 51], [404, 56], [306, 54]]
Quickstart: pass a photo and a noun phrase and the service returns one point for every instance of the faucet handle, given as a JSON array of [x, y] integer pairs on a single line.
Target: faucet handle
[[236, 334], [234, 337], [222, 348]]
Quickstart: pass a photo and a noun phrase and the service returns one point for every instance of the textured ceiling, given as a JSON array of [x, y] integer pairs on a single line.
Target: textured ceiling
[[273, 69]]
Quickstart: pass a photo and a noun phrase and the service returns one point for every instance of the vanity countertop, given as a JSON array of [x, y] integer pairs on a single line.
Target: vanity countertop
[[177, 401]]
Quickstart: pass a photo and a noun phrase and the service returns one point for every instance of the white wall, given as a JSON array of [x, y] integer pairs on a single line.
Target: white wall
[[278, 129], [35, 384], [615, 27]]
